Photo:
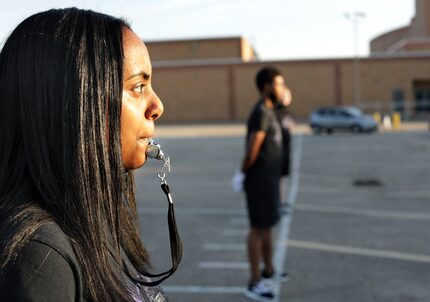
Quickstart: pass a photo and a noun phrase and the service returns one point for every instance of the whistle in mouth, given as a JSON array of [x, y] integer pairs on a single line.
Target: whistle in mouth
[[154, 150]]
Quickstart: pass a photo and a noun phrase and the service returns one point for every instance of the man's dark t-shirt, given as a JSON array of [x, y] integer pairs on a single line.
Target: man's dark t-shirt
[[262, 180]]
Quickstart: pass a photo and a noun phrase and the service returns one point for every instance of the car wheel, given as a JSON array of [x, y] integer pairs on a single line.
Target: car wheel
[[329, 130], [373, 130], [356, 129], [317, 129]]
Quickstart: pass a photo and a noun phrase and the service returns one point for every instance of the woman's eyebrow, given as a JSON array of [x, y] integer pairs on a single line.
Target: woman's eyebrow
[[143, 74]]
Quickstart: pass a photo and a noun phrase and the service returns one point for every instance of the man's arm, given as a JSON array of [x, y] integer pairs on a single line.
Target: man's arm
[[256, 140]]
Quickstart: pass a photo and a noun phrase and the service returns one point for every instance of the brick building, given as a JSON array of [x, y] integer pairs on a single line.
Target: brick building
[[213, 79]]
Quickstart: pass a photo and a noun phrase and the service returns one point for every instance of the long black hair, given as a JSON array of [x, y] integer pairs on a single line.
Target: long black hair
[[60, 153]]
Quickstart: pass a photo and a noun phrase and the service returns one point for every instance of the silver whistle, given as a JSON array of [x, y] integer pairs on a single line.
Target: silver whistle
[[154, 150]]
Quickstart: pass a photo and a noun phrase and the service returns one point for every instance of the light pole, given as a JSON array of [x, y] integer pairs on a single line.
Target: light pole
[[355, 18]]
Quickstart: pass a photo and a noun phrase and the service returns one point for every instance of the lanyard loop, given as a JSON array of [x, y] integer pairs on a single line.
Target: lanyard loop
[[166, 168]]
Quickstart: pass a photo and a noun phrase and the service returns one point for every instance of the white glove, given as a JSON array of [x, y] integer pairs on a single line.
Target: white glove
[[237, 181]]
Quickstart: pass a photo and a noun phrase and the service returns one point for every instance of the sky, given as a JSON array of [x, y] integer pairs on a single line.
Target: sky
[[277, 29]]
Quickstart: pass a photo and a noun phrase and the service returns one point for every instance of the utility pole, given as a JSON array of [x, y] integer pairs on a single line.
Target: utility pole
[[355, 18]]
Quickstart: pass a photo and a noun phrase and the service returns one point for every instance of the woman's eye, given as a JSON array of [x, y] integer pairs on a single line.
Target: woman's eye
[[139, 88]]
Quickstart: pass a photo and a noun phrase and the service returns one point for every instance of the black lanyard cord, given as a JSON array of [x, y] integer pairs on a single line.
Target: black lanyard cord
[[154, 151], [175, 243]]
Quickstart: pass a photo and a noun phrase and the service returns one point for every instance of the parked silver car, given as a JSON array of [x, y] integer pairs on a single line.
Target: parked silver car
[[341, 117]]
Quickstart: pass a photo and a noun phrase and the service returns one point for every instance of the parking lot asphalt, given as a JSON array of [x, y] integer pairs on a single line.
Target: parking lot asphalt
[[358, 231]]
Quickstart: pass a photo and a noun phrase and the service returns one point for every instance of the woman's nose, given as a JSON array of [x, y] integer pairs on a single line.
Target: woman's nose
[[155, 108]]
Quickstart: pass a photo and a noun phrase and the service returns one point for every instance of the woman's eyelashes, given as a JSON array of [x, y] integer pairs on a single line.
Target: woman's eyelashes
[[139, 88]]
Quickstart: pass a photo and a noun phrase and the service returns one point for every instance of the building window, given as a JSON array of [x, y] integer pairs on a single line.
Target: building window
[[422, 97], [398, 100]]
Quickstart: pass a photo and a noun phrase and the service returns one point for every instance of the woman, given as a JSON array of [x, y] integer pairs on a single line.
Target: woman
[[76, 112]]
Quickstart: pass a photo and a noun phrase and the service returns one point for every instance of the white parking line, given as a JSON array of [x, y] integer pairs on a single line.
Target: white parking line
[[239, 221], [204, 289], [284, 226], [357, 251], [363, 212], [224, 247], [405, 193], [300, 207], [193, 211], [235, 232], [223, 265]]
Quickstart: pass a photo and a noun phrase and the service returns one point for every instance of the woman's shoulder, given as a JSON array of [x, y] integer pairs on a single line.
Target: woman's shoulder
[[51, 237], [51, 234], [45, 269]]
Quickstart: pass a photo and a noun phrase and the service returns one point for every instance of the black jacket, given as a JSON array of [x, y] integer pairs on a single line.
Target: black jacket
[[46, 269]]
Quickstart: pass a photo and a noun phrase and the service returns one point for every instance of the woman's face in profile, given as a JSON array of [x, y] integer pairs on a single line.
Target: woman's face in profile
[[140, 105]]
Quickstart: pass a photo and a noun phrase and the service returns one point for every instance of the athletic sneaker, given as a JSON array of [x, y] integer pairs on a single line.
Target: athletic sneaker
[[259, 292], [275, 277]]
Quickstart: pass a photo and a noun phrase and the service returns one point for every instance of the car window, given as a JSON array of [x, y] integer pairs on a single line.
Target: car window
[[354, 112], [322, 111], [332, 112], [345, 114]]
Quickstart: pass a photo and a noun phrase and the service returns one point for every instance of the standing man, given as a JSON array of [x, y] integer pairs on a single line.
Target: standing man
[[262, 167]]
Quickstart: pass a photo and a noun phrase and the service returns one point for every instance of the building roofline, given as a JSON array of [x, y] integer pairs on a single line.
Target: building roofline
[[405, 41], [202, 39], [233, 62], [406, 27]]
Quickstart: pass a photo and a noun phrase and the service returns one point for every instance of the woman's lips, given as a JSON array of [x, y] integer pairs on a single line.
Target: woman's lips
[[146, 138], [143, 141]]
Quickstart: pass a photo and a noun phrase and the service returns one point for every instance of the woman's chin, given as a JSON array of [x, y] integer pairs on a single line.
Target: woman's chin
[[135, 164]]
